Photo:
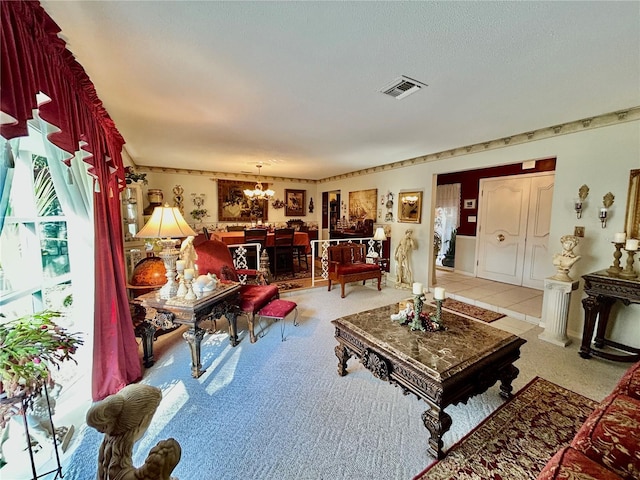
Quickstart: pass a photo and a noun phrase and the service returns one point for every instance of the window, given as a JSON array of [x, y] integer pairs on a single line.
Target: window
[[34, 255]]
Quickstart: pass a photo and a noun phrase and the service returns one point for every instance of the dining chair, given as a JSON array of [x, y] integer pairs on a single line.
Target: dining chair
[[255, 235], [283, 250], [301, 250]]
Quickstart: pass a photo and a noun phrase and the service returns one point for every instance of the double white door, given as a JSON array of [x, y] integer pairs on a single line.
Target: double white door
[[514, 217]]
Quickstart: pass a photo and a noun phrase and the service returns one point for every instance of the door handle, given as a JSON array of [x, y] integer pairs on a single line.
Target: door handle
[[500, 237]]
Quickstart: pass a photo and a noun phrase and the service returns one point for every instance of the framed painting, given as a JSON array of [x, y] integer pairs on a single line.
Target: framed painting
[[363, 205], [632, 217], [410, 207], [294, 203], [234, 206]]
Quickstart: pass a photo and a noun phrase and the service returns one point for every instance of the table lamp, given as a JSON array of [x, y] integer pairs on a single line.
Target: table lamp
[[167, 224], [380, 237]]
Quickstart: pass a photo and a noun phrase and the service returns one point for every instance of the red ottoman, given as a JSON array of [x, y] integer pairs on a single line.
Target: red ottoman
[[279, 309]]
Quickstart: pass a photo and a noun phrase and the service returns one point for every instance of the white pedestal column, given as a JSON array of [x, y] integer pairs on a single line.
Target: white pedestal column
[[555, 311]]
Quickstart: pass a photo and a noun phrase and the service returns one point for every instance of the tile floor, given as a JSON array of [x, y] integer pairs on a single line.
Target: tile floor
[[520, 303]]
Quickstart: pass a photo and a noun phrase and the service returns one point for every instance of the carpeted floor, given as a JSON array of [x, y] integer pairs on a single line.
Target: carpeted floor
[[472, 311], [279, 410], [517, 440]]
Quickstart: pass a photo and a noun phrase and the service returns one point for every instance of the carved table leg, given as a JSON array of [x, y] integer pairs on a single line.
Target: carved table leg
[[193, 336], [233, 328], [343, 356], [506, 376], [590, 305], [604, 310], [438, 422], [146, 332]]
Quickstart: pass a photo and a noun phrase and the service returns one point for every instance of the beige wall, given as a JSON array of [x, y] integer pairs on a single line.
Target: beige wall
[[599, 157]]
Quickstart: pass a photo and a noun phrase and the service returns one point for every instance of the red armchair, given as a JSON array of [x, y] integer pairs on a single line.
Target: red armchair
[[214, 257]]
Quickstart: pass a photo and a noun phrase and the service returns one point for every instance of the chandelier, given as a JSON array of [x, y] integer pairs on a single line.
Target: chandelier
[[258, 192]]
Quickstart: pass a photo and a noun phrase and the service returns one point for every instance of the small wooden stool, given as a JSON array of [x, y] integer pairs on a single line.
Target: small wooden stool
[[279, 309]]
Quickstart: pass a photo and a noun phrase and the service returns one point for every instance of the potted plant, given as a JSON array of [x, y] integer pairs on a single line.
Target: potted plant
[[450, 254], [30, 347]]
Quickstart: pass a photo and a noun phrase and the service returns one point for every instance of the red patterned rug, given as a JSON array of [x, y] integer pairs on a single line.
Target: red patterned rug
[[471, 310], [516, 441]]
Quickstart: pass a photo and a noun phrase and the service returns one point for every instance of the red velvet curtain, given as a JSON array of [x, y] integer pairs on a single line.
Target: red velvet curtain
[[34, 59]]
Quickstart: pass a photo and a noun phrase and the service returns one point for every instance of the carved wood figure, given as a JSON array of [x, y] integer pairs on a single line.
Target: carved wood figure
[[123, 418]]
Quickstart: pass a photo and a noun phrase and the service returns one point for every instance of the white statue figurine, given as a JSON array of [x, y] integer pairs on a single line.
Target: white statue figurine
[[123, 418], [404, 274], [188, 252], [565, 260]]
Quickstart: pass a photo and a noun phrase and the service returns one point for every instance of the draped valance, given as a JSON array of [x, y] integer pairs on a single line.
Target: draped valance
[[34, 59]]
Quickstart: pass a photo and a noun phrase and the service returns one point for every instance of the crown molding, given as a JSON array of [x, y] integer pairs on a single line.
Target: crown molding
[[620, 116], [605, 120], [215, 176]]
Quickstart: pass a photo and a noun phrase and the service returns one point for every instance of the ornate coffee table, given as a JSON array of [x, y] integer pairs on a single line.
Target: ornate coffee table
[[442, 368], [164, 314]]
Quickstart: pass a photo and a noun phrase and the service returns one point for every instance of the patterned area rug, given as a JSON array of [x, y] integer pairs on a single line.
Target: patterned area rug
[[516, 441], [289, 285], [471, 310]]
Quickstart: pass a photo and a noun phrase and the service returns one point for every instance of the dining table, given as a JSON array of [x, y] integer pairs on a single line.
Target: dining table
[[300, 239]]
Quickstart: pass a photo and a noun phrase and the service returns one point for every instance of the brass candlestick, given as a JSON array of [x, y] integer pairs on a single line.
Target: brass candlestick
[[628, 273], [615, 269]]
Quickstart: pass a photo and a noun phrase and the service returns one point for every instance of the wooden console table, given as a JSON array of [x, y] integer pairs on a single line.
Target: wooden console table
[[442, 368], [602, 292], [163, 314]]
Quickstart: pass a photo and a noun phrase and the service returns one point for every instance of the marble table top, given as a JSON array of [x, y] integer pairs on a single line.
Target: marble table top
[[440, 354]]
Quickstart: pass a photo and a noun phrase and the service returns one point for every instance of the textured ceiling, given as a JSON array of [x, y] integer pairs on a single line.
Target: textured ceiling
[[222, 86]]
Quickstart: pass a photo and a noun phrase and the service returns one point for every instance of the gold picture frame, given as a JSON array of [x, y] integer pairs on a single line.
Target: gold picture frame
[[363, 205], [410, 207], [632, 218], [234, 206], [294, 203]]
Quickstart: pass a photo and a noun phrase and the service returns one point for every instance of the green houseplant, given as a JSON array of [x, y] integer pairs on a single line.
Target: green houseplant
[[450, 254], [30, 347]]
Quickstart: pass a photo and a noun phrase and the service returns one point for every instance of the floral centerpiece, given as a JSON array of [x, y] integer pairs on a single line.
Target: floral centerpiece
[[30, 347]]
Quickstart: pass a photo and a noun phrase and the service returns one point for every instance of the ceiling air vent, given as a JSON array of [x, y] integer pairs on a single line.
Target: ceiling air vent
[[402, 87]]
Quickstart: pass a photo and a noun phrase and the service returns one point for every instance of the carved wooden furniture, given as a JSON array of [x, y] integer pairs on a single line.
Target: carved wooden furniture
[[442, 368], [602, 292], [236, 238], [215, 257], [348, 263], [283, 250], [255, 235], [168, 313]]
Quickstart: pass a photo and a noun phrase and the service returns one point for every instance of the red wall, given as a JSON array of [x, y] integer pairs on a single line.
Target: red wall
[[470, 186]]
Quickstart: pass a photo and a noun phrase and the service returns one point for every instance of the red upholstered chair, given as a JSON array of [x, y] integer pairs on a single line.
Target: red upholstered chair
[[214, 257]]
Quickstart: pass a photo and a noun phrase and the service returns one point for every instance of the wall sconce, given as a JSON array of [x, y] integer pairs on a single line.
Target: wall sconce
[[607, 201], [578, 203]]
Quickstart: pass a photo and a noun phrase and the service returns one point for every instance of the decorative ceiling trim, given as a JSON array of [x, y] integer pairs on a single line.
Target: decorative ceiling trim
[[223, 175], [605, 120]]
